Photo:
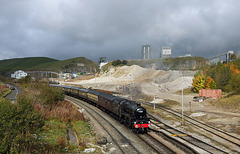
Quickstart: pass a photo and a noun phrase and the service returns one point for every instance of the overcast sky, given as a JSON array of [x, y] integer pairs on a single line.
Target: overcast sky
[[117, 29]]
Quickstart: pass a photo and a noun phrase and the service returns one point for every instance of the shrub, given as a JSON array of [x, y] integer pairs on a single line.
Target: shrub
[[50, 95], [19, 122]]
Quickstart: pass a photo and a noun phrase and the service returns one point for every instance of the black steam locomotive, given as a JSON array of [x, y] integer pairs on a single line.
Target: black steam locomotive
[[128, 112]]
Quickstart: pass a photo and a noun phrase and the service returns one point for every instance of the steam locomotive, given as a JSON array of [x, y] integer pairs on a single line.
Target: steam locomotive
[[127, 112]]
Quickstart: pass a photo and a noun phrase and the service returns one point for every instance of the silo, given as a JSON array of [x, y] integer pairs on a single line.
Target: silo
[[146, 52]]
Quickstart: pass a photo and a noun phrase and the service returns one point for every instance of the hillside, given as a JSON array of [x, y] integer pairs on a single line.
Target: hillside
[[179, 63], [43, 63], [29, 63], [74, 64]]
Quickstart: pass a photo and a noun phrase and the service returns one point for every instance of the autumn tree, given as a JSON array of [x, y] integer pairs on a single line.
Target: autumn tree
[[210, 83], [198, 83]]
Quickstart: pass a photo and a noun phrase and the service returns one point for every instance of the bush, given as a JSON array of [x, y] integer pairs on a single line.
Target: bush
[[50, 95], [19, 122]]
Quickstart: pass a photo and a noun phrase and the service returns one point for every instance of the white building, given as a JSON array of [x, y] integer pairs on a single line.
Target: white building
[[18, 74], [166, 52]]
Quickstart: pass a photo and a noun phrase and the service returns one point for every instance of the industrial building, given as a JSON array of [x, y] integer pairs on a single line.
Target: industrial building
[[146, 52], [166, 52]]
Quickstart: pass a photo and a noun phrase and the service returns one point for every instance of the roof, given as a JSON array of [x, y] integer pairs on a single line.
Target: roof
[[107, 96]]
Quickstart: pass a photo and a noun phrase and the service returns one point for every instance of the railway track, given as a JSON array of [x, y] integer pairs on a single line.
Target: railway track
[[155, 144], [196, 144], [227, 140], [157, 141], [123, 144]]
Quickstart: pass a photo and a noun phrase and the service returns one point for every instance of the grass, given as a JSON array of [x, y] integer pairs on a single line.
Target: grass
[[29, 63], [43, 63], [54, 135], [84, 134], [53, 130], [83, 129], [186, 91], [4, 92], [229, 103], [72, 63], [169, 103]]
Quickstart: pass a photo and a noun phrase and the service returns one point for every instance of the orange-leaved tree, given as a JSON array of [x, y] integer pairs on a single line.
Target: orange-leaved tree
[[210, 83]]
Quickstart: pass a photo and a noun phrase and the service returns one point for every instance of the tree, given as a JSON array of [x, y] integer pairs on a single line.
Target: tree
[[236, 83], [198, 83], [233, 57], [210, 83], [223, 76]]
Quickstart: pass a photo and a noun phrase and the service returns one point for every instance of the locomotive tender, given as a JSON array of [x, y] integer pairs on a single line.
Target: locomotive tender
[[128, 112]]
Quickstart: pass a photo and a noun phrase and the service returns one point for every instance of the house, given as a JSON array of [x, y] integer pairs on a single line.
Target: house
[[19, 74]]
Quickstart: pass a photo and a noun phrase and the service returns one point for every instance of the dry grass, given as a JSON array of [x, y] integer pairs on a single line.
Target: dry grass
[[229, 103], [4, 91], [186, 91], [63, 111], [3, 88]]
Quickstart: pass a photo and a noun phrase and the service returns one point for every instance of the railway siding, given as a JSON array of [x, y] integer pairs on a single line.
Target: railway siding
[[224, 138], [196, 144]]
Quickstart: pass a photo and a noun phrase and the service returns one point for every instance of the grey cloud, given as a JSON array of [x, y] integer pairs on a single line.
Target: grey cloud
[[116, 29]]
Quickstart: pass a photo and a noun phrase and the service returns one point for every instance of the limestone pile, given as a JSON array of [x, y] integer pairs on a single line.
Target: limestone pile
[[144, 77]]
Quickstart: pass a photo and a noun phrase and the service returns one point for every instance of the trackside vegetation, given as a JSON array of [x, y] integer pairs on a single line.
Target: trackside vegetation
[[43, 122], [20, 124]]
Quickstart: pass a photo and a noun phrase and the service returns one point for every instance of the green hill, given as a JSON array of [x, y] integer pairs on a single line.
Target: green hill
[[46, 64], [74, 64], [11, 65]]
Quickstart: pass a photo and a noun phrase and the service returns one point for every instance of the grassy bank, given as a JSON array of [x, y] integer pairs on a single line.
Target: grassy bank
[[231, 103], [56, 121], [4, 91]]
